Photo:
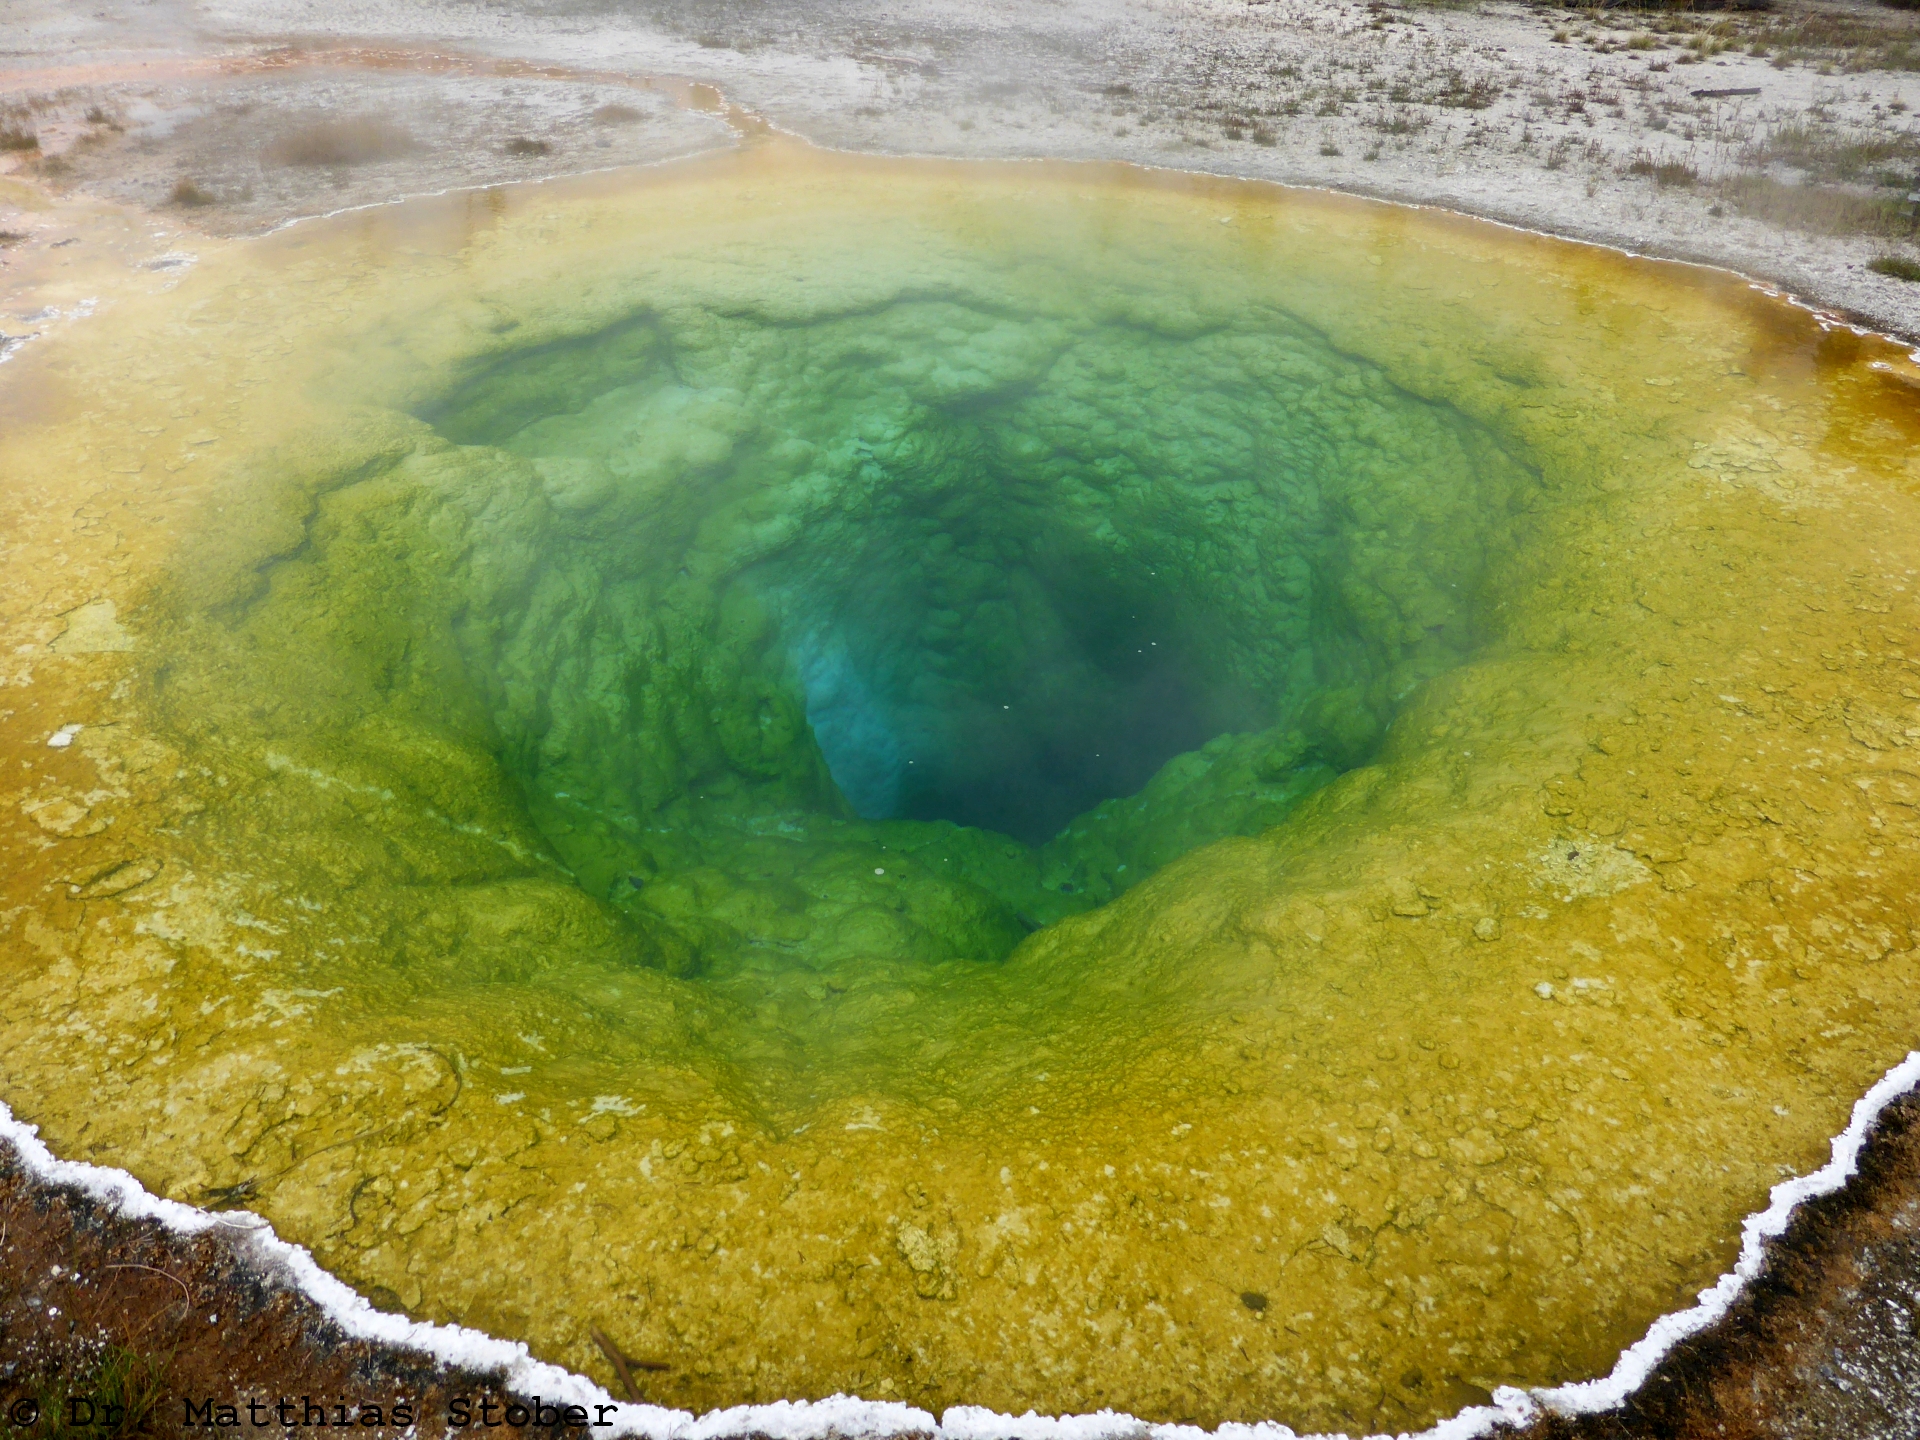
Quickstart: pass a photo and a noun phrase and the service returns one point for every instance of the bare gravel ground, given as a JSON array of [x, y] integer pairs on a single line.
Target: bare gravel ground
[[1583, 122], [256, 148]]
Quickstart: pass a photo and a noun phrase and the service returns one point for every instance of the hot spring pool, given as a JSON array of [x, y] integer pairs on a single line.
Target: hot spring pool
[[1027, 786]]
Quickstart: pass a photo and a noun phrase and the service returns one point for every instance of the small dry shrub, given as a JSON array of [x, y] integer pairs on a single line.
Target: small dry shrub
[[353, 141], [187, 192], [524, 146], [18, 137], [1664, 172], [1459, 93]]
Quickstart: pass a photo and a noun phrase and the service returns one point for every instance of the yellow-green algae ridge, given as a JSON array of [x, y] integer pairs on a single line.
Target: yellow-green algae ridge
[[1469, 1067]]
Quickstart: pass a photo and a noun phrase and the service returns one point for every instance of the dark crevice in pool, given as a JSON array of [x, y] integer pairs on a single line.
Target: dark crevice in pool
[[888, 638], [1071, 682]]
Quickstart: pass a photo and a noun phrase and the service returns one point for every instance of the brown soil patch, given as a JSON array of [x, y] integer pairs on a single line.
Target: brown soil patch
[[83, 1292]]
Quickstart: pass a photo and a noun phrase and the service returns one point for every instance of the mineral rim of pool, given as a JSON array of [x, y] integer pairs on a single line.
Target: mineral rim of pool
[[1032, 786]]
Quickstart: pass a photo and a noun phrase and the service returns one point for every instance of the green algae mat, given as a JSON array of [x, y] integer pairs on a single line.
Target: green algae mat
[[1027, 786]]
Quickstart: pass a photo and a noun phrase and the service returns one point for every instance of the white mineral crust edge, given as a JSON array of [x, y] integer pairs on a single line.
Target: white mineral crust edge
[[843, 1416]]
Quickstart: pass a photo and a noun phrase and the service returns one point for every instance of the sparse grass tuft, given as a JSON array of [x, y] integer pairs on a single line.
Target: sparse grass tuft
[[1898, 266], [18, 137], [1820, 209], [11, 237], [118, 1396], [1852, 40], [524, 147], [1848, 157], [614, 113], [188, 192]]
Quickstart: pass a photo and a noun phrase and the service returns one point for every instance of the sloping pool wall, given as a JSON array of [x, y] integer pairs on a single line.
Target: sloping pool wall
[[1466, 1071]]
